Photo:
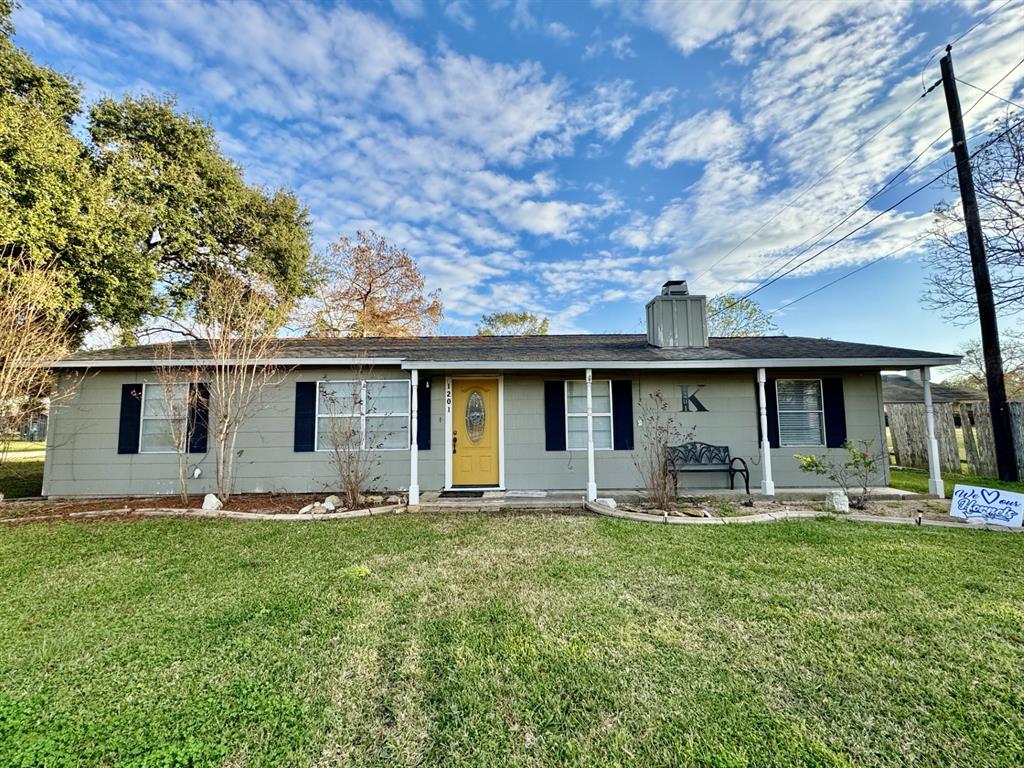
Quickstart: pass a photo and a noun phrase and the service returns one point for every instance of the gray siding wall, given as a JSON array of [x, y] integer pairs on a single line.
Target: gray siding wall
[[82, 456]]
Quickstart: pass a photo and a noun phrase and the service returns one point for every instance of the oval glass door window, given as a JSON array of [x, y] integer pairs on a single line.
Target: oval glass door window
[[475, 417]]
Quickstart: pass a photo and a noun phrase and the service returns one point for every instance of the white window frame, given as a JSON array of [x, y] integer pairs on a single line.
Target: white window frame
[[609, 413], [819, 411], [143, 418], [363, 413]]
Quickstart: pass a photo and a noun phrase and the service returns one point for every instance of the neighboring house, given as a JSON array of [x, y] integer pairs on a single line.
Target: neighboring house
[[523, 413], [910, 389]]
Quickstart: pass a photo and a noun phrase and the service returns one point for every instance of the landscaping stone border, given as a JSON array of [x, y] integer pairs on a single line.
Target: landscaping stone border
[[210, 513], [771, 517]]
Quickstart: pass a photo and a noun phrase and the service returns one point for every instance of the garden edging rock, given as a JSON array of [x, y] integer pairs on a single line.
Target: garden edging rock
[[770, 517]]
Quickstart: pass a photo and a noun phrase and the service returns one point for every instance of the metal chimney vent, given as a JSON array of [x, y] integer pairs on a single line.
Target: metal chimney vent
[[675, 288], [676, 319]]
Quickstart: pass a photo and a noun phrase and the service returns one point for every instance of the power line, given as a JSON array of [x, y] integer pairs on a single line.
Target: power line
[[962, 35], [820, 179], [996, 95], [870, 221], [822, 234], [851, 273], [828, 173]]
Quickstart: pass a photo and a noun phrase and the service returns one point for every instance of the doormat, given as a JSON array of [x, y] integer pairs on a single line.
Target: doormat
[[461, 495]]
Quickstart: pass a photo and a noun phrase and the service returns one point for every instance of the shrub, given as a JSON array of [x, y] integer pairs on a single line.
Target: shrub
[[856, 471]]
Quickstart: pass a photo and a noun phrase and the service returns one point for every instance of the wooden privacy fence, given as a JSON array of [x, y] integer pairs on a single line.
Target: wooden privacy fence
[[910, 436]]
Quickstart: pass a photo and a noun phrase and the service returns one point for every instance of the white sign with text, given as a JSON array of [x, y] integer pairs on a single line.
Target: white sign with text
[[987, 505]]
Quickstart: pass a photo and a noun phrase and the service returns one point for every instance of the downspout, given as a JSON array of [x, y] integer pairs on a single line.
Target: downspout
[[767, 483], [935, 485]]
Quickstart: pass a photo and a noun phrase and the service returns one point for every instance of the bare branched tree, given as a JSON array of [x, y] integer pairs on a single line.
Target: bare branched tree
[[999, 183], [32, 337], [971, 371], [659, 429], [234, 337], [353, 448], [185, 403], [370, 287]]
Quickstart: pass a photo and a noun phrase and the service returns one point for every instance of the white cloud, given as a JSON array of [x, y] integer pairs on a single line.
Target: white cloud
[[619, 47], [702, 137], [408, 9], [458, 11], [558, 31]]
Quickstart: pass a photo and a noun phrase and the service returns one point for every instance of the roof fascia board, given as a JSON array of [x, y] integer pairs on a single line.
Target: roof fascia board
[[887, 363], [279, 362], [778, 362]]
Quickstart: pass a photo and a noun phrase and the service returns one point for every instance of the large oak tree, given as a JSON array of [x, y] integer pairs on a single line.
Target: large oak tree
[[132, 215]]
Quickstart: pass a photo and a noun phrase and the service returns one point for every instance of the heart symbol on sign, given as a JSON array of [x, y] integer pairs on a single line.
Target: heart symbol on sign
[[989, 496]]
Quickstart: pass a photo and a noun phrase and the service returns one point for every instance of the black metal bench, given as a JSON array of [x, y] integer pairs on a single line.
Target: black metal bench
[[702, 457]]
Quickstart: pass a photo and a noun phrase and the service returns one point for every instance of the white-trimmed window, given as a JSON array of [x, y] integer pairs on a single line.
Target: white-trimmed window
[[576, 415], [364, 415], [164, 418], [801, 412]]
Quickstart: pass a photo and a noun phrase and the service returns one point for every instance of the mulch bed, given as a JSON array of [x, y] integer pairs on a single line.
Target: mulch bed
[[267, 503]]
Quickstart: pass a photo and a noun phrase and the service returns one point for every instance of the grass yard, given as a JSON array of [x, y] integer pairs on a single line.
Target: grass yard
[[917, 481], [26, 446], [21, 477], [531, 640]]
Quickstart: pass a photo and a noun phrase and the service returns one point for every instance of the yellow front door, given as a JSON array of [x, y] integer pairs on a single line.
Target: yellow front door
[[475, 432]]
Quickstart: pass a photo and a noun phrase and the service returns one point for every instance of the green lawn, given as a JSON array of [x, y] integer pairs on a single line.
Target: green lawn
[[523, 640], [21, 477], [917, 481], [23, 446]]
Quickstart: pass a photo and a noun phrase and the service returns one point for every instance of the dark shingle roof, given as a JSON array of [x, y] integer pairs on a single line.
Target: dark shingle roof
[[903, 389], [610, 348]]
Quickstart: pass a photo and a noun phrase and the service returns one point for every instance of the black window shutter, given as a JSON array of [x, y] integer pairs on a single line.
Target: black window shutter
[[554, 415], [835, 412], [198, 417], [622, 414], [771, 404], [423, 415], [131, 415], [305, 416]]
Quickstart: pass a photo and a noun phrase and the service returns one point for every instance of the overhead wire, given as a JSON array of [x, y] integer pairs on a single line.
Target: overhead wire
[[821, 235], [870, 221]]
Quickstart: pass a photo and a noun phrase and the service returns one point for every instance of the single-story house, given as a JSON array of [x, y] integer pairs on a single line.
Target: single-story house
[[560, 412]]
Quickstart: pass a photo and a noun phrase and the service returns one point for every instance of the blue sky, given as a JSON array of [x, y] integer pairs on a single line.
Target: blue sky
[[567, 158]]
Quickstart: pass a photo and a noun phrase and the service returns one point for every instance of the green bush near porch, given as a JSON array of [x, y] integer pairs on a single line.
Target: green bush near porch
[[533, 640]]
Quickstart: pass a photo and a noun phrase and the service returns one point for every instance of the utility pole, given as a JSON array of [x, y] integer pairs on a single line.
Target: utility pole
[[1006, 460]]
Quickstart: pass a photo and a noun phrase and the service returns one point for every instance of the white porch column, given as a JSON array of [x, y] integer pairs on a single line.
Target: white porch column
[[935, 485], [414, 451], [591, 481], [767, 483]]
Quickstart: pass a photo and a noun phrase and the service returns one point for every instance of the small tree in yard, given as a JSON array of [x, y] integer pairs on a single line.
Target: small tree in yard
[[32, 337], [235, 332], [184, 401], [357, 464], [855, 470], [658, 430]]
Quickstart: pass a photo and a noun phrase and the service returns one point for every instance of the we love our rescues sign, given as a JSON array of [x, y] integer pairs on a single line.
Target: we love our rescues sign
[[987, 505]]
